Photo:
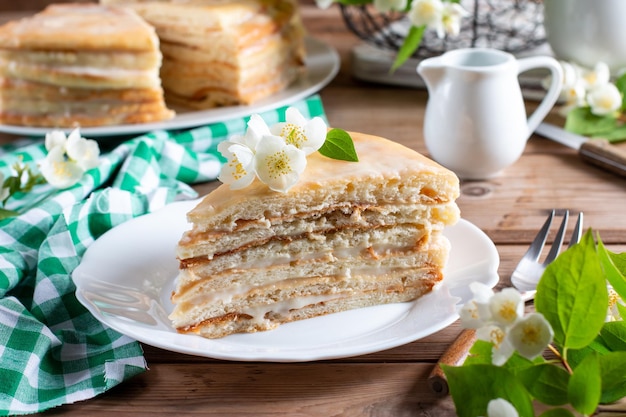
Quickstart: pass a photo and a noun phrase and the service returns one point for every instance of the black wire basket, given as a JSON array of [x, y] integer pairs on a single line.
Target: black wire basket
[[514, 26]]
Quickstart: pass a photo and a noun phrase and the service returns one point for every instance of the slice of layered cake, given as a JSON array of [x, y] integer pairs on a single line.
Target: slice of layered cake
[[347, 235], [80, 65], [220, 53]]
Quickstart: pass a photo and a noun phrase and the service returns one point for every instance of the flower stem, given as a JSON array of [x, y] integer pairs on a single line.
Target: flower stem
[[561, 358]]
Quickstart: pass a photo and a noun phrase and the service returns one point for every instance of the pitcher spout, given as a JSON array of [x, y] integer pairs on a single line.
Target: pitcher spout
[[431, 70]]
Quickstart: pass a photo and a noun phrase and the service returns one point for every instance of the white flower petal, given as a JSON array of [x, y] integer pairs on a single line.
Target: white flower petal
[[426, 12], [501, 408], [293, 116], [470, 316], [506, 306], [85, 152], [315, 132], [531, 335], [58, 171], [54, 139], [277, 164], [257, 128], [238, 172], [502, 348], [604, 99]]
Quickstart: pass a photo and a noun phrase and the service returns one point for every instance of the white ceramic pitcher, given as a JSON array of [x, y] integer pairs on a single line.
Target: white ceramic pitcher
[[475, 122]]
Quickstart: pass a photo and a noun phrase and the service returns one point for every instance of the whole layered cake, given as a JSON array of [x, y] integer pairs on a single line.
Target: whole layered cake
[[347, 235], [80, 65], [220, 53]]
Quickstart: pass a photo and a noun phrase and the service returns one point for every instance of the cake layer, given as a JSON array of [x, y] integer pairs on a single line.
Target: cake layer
[[80, 77], [202, 278], [199, 242], [65, 27], [267, 307]]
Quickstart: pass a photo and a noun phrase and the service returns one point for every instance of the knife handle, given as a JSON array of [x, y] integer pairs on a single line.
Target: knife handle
[[601, 153], [455, 355]]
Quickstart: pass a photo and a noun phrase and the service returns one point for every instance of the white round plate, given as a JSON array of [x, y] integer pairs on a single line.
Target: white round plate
[[322, 64], [127, 276]]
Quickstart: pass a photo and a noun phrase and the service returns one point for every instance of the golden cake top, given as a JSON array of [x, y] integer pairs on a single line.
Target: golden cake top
[[74, 27], [387, 172]]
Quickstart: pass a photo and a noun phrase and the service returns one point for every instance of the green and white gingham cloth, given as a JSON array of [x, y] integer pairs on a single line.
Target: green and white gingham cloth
[[52, 350]]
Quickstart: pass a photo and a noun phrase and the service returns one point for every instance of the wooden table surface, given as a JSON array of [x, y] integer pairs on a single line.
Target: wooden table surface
[[509, 208]]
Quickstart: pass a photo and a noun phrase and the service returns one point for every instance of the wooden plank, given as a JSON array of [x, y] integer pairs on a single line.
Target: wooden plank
[[320, 389]]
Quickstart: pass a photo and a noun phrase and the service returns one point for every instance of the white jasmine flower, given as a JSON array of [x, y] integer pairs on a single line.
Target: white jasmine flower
[[429, 13], [501, 408], [307, 135], [55, 138], [599, 76], [85, 152], [470, 315], [389, 5], [502, 347], [59, 171], [531, 335], [278, 164], [238, 171], [604, 99], [506, 306], [451, 18]]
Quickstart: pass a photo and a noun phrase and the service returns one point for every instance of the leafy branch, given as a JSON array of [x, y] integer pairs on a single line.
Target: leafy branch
[[590, 352]]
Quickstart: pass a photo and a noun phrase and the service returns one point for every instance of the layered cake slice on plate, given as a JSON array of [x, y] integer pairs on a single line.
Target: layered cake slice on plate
[[347, 235]]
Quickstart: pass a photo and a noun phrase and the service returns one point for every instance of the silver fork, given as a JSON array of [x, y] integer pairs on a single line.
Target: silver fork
[[529, 270]]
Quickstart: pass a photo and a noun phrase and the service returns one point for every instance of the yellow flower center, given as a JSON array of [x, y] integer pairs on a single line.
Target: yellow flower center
[[278, 164], [497, 337], [530, 335], [507, 311], [605, 102], [60, 169], [238, 170], [294, 135]]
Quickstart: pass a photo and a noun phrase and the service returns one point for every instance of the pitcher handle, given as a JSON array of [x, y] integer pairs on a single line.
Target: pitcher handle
[[556, 83]]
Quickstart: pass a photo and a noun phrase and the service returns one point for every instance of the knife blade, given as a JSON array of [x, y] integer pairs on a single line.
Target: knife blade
[[597, 152]]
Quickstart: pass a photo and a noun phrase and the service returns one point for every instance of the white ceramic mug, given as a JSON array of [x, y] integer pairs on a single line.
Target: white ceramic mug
[[475, 122], [587, 31]]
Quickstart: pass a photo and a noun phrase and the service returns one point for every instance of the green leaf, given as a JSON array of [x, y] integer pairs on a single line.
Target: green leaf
[[585, 385], [473, 386], [557, 412], [580, 120], [617, 134], [411, 43], [479, 353], [612, 272], [339, 145], [613, 335], [613, 372], [547, 383], [620, 83], [572, 295]]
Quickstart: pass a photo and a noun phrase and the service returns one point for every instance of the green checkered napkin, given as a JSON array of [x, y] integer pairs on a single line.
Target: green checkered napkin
[[52, 351]]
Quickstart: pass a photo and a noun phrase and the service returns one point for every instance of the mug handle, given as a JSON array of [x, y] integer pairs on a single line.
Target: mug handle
[[554, 91]]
